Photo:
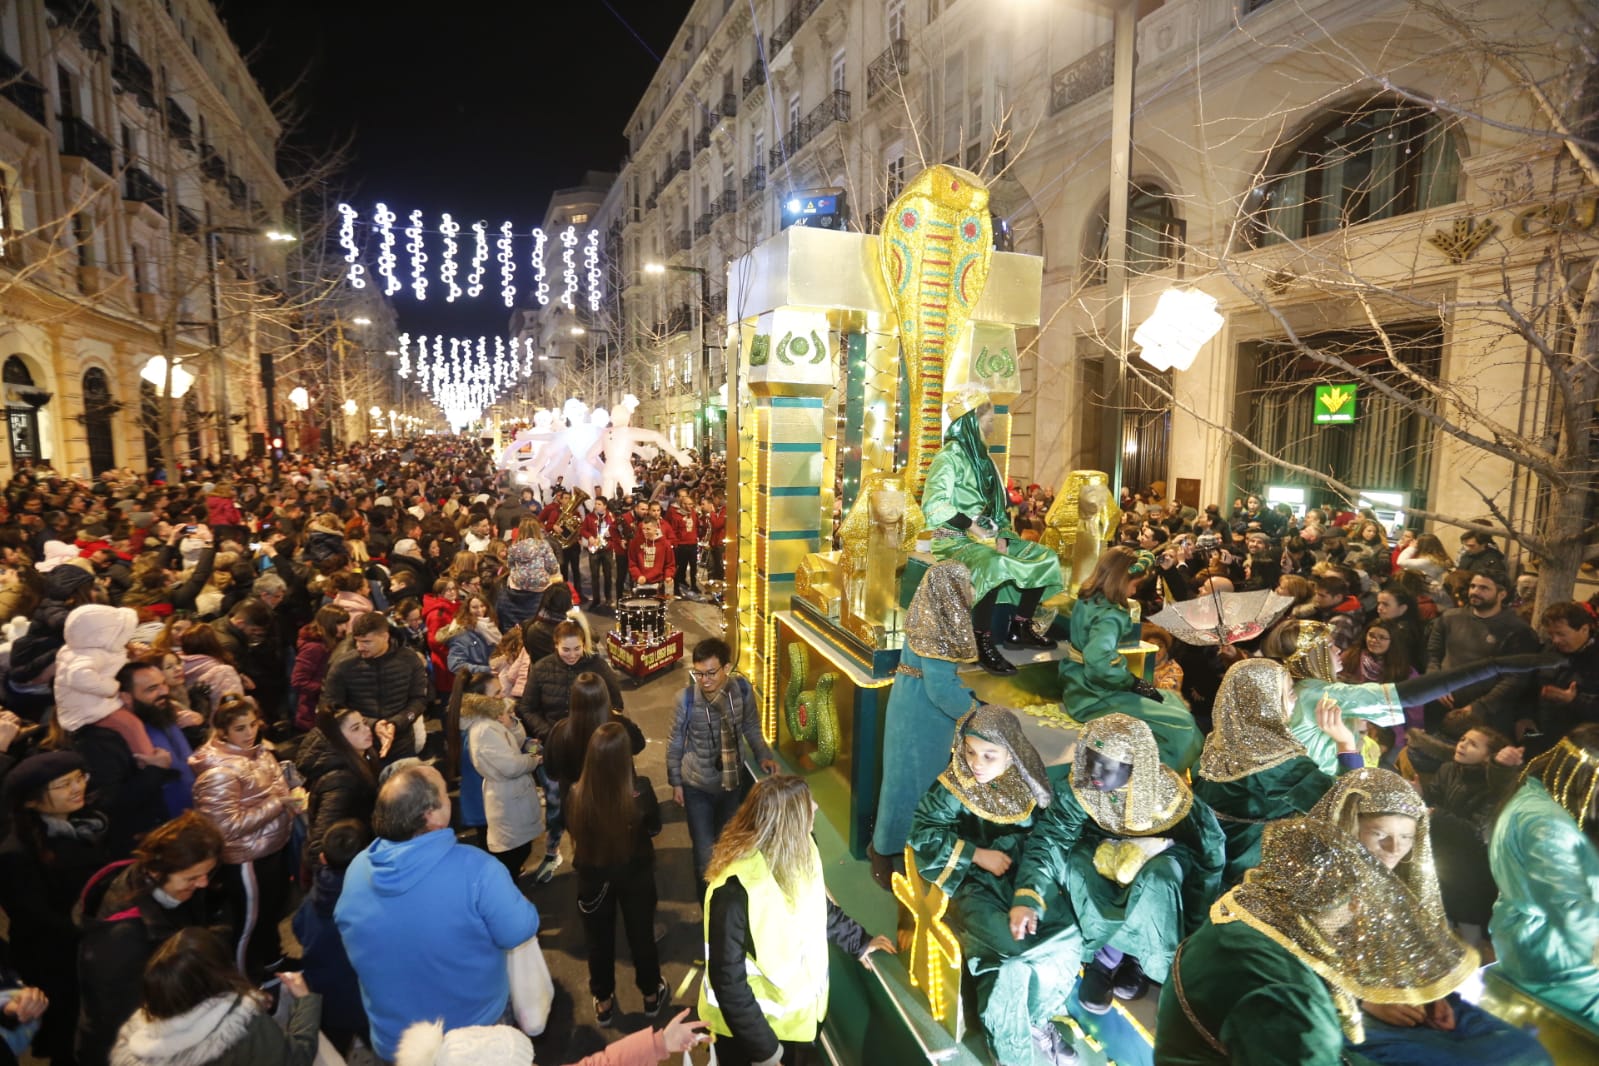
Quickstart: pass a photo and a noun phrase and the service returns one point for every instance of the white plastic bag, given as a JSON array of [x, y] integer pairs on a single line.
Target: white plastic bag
[[532, 991]]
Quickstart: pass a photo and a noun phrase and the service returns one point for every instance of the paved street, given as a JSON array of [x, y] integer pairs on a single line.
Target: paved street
[[572, 1032]]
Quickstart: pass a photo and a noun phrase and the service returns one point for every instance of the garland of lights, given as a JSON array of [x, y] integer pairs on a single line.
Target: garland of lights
[[473, 377], [541, 288], [352, 254], [450, 267], [386, 259], [569, 267], [591, 265]]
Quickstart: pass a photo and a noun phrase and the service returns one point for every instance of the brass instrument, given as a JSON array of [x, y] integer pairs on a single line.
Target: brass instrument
[[569, 521]]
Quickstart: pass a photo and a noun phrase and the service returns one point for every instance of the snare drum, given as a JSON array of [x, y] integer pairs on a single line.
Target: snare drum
[[643, 620]]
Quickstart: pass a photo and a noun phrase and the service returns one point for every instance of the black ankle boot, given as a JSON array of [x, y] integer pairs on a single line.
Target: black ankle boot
[[988, 656], [1024, 634]]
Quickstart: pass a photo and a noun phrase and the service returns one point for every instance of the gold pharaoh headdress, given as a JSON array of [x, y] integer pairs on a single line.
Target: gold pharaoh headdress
[[1313, 652], [1375, 791], [1012, 795], [1251, 724], [1384, 950], [938, 624], [965, 399], [1154, 799]]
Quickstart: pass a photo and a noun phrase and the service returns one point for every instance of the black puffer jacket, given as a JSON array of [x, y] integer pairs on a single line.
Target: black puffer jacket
[[338, 790], [547, 697], [393, 686]]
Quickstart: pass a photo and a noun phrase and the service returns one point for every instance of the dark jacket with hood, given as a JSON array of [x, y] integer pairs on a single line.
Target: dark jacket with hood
[[337, 790]]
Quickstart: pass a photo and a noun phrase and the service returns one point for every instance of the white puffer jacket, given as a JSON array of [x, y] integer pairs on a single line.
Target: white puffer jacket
[[86, 667]]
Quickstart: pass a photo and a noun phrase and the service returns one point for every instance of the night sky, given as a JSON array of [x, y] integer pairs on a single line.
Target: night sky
[[478, 108]]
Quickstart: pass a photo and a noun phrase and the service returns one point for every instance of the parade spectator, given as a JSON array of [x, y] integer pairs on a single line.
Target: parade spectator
[[1479, 553], [317, 639], [704, 760], [459, 909], [1480, 631], [380, 679], [500, 753], [1568, 694]]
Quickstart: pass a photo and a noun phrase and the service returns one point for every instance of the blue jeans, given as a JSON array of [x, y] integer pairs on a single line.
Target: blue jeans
[[707, 813]]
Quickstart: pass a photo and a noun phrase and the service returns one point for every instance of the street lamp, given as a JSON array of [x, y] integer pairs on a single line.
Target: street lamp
[[577, 331], [155, 372], [349, 407], [360, 320], [299, 398]]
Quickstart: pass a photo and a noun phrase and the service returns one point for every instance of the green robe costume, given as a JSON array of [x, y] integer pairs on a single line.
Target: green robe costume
[[1374, 701], [963, 479], [1265, 1006], [1018, 984], [1545, 925], [1166, 901], [927, 699], [1243, 807], [1100, 684]]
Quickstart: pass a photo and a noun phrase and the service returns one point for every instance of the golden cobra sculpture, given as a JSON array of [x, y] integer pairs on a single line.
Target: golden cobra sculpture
[[934, 249]]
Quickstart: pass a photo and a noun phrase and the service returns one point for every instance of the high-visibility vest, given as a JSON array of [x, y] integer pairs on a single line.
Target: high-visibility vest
[[788, 971]]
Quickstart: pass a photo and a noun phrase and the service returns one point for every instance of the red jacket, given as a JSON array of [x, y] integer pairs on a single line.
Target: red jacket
[[684, 527], [222, 511], [438, 612], [613, 535], [664, 566], [718, 524]]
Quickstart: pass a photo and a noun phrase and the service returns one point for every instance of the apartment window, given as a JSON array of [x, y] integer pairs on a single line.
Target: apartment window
[[894, 21], [141, 268], [894, 173], [1373, 162], [130, 145], [758, 148], [840, 71], [793, 117], [580, 218], [83, 234], [67, 89]]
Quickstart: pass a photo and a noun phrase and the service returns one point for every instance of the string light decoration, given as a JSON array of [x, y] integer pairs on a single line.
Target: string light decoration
[[480, 259], [384, 219], [591, 265], [471, 379], [569, 268], [448, 268], [449, 258], [419, 256], [541, 288], [352, 254], [507, 260]]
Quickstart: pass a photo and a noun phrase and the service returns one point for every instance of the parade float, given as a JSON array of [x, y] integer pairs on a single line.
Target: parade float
[[847, 346]]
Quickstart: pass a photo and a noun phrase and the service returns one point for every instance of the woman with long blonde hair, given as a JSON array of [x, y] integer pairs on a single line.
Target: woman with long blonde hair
[[765, 901]]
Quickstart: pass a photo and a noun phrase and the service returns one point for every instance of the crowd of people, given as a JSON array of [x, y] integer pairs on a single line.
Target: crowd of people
[[228, 698], [359, 693]]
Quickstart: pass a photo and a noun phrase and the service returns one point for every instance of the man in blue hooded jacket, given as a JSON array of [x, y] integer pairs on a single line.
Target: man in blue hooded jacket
[[427, 921]]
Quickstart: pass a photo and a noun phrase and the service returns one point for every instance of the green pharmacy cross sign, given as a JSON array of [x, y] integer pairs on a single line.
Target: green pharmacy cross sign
[[1335, 405]]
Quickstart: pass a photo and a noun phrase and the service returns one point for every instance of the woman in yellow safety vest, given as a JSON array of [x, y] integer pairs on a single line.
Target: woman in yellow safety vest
[[768, 920]]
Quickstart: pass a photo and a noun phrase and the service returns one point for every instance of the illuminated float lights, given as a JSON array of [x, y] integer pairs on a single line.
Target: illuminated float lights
[[583, 280]]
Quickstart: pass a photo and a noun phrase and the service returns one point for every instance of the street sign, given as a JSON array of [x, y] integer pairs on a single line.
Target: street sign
[[1335, 405]]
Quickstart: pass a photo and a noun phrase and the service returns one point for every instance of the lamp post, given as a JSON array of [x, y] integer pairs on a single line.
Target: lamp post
[[702, 413], [213, 235]]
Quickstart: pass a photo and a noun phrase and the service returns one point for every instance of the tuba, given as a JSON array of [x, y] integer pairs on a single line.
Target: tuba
[[569, 522]]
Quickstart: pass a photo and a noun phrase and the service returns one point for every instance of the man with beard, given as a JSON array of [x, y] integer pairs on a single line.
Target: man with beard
[[1484, 629], [145, 692], [132, 794]]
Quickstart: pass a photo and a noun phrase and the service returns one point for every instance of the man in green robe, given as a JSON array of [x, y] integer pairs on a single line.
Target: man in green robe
[[963, 501]]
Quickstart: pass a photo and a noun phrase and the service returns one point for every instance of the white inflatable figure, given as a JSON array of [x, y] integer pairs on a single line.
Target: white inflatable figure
[[570, 445], [622, 441], [525, 456]]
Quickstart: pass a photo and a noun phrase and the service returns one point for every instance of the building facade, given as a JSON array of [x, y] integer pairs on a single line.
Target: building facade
[[138, 180], [1362, 191]]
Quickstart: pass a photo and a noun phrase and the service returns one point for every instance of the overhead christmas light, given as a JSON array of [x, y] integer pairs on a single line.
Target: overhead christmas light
[[591, 264], [507, 261], [352, 254], [569, 268], [480, 259], [419, 257], [449, 229], [384, 220]]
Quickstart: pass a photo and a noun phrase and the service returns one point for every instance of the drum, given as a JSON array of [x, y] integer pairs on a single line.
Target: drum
[[643, 620]]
